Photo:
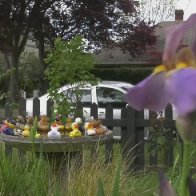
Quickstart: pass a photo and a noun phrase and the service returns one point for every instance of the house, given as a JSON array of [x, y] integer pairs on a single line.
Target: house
[[115, 57]]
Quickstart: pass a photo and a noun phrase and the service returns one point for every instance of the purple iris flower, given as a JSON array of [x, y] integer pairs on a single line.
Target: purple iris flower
[[192, 186], [176, 83], [174, 35], [182, 90], [150, 93], [165, 188]]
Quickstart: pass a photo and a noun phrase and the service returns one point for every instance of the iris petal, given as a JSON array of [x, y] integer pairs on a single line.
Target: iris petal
[[151, 93], [174, 35], [194, 46], [192, 186], [181, 85], [165, 187]]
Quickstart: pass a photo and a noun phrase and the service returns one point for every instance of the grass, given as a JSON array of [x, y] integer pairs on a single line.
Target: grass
[[21, 176]]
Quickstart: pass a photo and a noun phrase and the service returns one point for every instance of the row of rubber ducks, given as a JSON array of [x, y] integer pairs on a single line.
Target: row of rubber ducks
[[18, 127], [56, 130]]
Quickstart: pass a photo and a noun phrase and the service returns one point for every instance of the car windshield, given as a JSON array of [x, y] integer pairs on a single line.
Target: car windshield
[[75, 95], [110, 96]]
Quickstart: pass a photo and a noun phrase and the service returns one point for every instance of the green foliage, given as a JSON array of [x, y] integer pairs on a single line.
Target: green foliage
[[131, 75], [33, 177], [19, 177], [68, 64], [100, 188], [29, 71], [160, 138], [116, 186], [34, 127], [4, 77]]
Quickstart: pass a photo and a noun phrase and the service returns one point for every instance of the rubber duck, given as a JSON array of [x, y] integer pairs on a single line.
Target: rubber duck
[[78, 120], [3, 126], [76, 132], [29, 120], [19, 127], [43, 125], [68, 124], [26, 132], [8, 127], [89, 129], [54, 133], [37, 135], [59, 123], [98, 127]]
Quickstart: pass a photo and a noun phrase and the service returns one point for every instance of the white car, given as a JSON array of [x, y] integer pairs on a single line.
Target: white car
[[105, 92]]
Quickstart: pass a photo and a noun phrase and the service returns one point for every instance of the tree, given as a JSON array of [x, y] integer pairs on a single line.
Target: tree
[[157, 11], [100, 22], [29, 72], [16, 21], [68, 63]]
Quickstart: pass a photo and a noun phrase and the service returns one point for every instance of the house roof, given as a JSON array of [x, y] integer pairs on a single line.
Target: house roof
[[153, 54]]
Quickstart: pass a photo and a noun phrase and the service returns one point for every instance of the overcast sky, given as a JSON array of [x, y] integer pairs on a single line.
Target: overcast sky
[[189, 7]]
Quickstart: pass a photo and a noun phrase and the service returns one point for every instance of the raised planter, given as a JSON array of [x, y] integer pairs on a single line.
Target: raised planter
[[59, 151]]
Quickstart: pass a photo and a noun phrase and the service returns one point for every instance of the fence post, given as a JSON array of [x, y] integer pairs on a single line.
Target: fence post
[[36, 107], [94, 110], [50, 103], [139, 137], [128, 138], [109, 145], [22, 107]]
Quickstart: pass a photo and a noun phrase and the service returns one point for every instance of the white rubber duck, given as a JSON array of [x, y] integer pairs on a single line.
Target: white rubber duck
[[89, 129], [54, 133]]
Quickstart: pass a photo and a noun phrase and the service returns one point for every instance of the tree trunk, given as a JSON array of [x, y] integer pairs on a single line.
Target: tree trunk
[[12, 85], [43, 82]]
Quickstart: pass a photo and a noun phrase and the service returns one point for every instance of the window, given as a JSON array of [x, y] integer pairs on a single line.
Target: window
[[106, 96]]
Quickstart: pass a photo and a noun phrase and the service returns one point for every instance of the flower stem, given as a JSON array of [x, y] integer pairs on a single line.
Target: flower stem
[[186, 163]]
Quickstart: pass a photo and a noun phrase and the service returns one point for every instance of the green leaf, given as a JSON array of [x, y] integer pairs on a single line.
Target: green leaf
[[153, 152], [100, 188], [161, 140], [116, 187]]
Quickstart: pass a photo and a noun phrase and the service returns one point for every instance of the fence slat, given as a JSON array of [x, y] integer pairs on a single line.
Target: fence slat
[[128, 138], [22, 107], [50, 104], [109, 145], [139, 140], [36, 107], [94, 110]]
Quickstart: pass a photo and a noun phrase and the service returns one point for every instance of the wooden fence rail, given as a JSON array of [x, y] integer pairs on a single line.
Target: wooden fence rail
[[132, 123]]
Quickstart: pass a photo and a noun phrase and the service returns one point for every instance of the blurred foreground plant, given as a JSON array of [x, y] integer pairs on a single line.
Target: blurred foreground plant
[[173, 82]]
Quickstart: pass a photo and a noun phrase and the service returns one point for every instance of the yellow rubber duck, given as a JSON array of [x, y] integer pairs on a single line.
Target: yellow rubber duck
[[37, 135], [9, 124], [26, 132], [76, 132]]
